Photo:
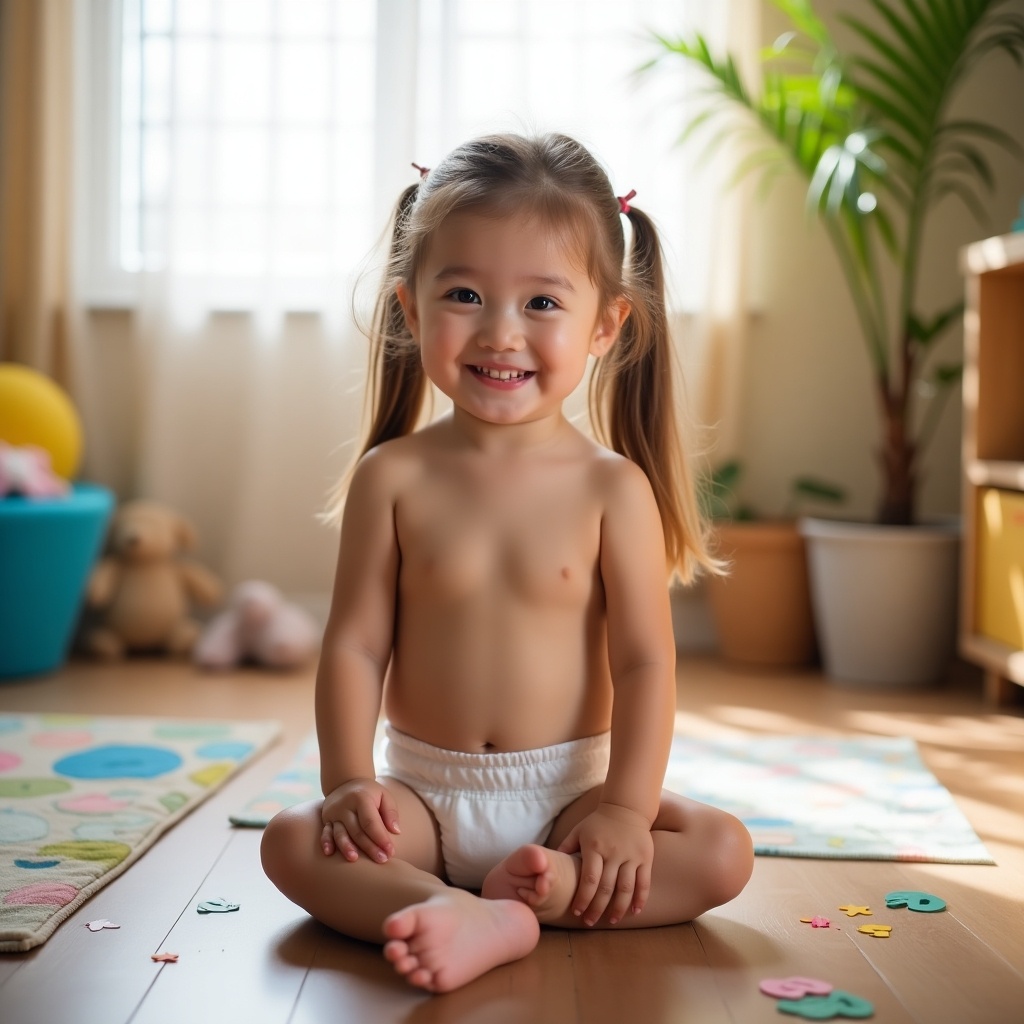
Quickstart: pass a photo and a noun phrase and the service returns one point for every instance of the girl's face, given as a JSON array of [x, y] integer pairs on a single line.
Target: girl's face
[[506, 317]]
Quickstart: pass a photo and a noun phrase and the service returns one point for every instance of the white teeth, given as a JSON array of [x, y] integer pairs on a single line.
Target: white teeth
[[501, 374]]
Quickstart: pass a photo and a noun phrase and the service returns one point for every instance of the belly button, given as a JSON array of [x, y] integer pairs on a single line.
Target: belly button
[[565, 573]]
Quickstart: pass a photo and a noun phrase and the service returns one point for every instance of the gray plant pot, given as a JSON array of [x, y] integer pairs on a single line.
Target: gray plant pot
[[885, 600]]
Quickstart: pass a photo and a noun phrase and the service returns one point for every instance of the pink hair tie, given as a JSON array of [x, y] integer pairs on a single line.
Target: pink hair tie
[[424, 171], [624, 200]]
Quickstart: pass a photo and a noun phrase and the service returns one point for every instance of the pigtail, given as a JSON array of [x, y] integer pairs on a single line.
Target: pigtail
[[633, 405], [396, 385]]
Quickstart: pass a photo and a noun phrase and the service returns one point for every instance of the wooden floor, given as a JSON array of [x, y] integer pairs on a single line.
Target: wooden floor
[[270, 963]]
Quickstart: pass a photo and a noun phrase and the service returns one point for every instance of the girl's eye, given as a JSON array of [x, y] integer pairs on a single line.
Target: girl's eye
[[464, 295], [541, 302]]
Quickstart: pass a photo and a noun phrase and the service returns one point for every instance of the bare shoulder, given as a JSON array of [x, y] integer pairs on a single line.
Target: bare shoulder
[[623, 486], [388, 468]]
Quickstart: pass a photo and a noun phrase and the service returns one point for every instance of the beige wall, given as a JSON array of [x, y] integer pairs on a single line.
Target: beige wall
[[808, 404]]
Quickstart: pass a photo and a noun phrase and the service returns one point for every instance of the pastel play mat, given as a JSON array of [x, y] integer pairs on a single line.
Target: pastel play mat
[[82, 798], [864, 798]]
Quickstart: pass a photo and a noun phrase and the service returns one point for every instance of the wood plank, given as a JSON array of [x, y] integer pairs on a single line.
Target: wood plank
[[974, 899], [233, 959], [979, 985], [656, 975], [352, 981], [106, 975], [759, 935]]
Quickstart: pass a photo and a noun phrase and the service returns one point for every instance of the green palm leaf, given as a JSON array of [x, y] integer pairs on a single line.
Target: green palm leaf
[[869, 132]]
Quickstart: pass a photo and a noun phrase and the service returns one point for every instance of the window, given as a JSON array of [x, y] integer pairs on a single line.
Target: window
[[262, 143]]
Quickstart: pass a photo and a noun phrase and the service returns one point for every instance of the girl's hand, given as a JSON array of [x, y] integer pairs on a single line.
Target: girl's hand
[[360, 815], [617, 852]]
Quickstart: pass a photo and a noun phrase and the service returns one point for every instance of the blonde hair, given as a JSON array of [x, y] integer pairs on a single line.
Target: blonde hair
[[631, 400]]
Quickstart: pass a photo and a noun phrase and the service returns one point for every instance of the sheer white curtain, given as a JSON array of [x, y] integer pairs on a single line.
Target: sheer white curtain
[[257, 147]]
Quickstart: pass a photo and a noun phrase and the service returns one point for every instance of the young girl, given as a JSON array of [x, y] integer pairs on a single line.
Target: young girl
[[502, 587]]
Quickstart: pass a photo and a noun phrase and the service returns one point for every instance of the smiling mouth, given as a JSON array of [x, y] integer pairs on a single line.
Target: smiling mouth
[[502, 375]]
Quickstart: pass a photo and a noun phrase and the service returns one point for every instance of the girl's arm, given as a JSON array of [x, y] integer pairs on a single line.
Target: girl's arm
[[358, 814], [641, 645], [615, 841]]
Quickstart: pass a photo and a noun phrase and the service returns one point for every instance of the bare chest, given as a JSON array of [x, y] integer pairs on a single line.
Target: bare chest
[[537, 545]]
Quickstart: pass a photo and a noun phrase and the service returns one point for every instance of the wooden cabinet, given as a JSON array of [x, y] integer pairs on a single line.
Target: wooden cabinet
[[992, 607]]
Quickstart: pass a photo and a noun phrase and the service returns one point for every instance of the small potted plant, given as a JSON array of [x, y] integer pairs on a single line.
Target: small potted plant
[[871, 132], [762, 607]]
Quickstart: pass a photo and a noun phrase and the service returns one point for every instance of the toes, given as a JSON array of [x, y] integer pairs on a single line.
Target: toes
[[537, 858], [421, 979], [527, 860], [400, 926], [408, 965], [395, 951], [531, 897]]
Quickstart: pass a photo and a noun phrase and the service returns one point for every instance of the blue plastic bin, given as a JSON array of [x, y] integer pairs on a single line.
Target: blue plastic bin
[[48, 547]]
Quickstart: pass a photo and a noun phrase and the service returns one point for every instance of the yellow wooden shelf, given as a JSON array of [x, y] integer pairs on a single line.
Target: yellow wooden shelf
[[993, 457]]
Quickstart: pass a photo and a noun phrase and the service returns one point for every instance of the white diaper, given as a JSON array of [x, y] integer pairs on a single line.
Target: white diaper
[[487, 805]]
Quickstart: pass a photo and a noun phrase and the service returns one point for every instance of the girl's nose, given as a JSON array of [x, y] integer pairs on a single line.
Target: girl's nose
[[502, 332]]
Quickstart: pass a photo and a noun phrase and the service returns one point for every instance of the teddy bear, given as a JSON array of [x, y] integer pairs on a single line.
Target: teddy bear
[[258, 626], [143, 589]]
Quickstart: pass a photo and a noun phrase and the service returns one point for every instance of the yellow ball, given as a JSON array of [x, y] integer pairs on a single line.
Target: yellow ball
[[35, 410]]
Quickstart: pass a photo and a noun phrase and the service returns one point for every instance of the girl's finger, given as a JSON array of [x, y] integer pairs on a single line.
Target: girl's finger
[[602, 896], [327, 841], [570, 844], [590, 878], [372, 835], [389, 813], [623, 897], [343, 842], [643, 888]]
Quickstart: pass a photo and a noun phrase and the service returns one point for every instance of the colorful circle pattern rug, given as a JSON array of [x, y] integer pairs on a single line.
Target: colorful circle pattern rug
[[81, 798]]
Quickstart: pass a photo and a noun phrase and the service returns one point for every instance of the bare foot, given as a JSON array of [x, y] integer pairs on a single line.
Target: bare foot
[[454, 937], [543, 879]]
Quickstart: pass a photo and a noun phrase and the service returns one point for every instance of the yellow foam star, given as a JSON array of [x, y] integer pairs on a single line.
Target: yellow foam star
[[853, 911]]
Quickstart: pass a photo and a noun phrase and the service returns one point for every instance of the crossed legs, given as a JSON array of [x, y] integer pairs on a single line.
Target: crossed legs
[[440, 937], [437, 936]]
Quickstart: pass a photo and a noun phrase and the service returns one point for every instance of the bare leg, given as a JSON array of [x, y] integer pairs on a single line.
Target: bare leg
[[702, 858], [353, 897], [436, 936]]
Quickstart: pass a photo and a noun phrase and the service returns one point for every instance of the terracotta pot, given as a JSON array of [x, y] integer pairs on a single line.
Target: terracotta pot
[[762, 609]]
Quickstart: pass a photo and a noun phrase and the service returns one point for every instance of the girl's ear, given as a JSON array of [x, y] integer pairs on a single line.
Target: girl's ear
[[608, 327], [407, 300]]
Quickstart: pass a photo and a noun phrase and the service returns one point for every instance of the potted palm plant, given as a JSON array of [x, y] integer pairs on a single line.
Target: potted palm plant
[[871, 133]]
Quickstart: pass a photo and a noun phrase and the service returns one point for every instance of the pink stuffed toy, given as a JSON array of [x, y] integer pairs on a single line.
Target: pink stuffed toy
[[258, 626], [26, 470]]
